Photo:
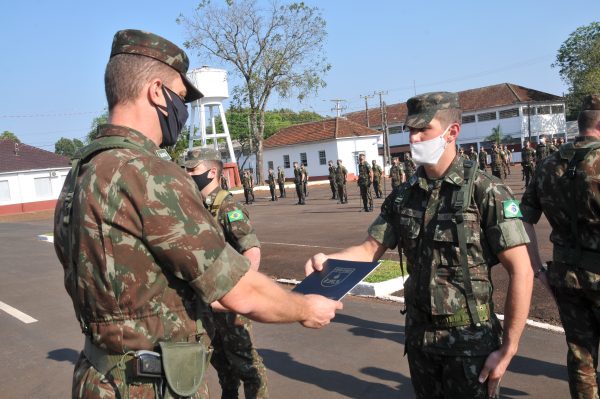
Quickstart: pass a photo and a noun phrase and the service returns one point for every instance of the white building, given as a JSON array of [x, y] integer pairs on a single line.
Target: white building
[[315, 143], [520, 112], [30, 178]]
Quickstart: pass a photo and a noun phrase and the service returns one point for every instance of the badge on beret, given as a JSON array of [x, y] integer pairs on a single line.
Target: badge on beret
[[234, 216], [511, 209]]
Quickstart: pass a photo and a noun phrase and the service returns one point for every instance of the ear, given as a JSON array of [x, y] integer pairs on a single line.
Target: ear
[[453, 132], [155, 93]]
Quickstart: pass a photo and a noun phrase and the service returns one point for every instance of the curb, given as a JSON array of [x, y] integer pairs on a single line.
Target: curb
[[286, 185], [44, 237]]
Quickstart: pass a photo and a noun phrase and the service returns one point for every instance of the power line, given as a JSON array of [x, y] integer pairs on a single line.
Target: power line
[[48, 115]]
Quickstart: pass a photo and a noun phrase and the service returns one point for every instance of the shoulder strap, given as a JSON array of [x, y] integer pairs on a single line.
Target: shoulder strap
[[461, 200], [215, 207]]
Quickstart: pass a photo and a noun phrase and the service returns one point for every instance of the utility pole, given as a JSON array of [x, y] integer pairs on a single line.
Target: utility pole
[[366, 97], [384, 130], [338, 108]]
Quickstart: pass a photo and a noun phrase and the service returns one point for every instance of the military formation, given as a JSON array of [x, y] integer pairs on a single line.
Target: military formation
[[161, 264]]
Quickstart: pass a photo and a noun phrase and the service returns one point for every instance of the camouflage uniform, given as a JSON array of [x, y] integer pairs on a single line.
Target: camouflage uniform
[[340, 182], [473, 155], [571, 203], [272, 185], [482, 159], [552, 148], [409, 166], [377, 173], [396, 172], [527, 158], [504, 153], [541, 152], [305, 180], [496, 162], [299, 182], [248, 184], [332, 184], [234, 356], [281, 182], [364, 183]]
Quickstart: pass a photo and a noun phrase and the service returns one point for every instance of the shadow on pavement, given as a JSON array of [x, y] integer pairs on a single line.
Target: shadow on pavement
[[372, 329], [529, 366], [64, 355], [331, 380]]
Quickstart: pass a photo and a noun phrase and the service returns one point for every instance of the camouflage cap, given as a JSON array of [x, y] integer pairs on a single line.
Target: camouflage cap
[[132, 41], [199, 154], [591, 103], [422, 108]]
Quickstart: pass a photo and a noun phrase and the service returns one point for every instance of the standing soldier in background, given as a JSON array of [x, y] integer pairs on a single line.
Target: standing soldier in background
[[541, 150], [461, 153], [248, 184], [565, 190], [377, 173], [304, 179], [332, 180], [340, 181], [409, 167], [234, 357], [527, 159], [365, 177], [496, 162], [472, 154], [553, 146], [560, 141], [281, 181], [482, 158], [396, 173], [224, 182], [505, 156], [272, 185], [299, 182]]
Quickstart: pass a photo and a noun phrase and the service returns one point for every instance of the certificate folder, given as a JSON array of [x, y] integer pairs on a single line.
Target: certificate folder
[[337, 278]]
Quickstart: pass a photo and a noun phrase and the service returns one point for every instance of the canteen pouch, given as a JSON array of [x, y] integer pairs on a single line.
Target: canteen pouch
[[184, 365]]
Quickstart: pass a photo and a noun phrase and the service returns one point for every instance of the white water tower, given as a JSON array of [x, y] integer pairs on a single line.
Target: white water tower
[[212, 83]]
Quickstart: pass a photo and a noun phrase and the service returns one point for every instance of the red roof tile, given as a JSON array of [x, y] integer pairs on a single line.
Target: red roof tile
[[27, 157], [318, 131]]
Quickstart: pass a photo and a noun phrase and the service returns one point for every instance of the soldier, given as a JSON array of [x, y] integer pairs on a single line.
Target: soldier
[[272, 185], [299, 182], [332, 184], [224, 182], [472, 154], [377, 173], [234, 356], [142, 257], [553, 146], [340, 181], [505, 156], [305, 179], [409, 167], [496, 161], [281, 181], [461, 153], [565, 189], [453, 338], [365, 177], [396, 173], [527, 157], [248, 184], [561, 141], [482, 158], [541, 150]]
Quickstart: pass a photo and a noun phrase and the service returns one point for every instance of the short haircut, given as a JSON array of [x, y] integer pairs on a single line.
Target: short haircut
[[588, 120], [448, 116], [126, 75]]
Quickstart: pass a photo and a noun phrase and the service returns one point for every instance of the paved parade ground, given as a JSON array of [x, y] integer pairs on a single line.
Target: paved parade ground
[[360, 355]]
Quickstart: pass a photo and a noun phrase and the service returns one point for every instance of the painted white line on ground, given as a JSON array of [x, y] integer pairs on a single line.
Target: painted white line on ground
[[25, 318], [44, 237]]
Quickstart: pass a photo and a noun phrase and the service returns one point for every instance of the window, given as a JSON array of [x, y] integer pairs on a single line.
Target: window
[[468, 119], [528, 109], [4, 191], [544, 110], [509, 113], [303, 159], [286, 161], [395, 129], [558, 109], [270, 164], [322, 158], [42, 187], [486, 116]]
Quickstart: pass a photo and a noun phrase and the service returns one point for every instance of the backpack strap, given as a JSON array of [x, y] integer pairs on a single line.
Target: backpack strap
[[215, 207]]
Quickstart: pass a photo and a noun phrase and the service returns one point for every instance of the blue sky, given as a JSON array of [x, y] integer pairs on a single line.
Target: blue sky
[[54, 52]]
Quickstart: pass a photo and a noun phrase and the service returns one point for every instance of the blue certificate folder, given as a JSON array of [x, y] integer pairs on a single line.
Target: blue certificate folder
[[337, 278]]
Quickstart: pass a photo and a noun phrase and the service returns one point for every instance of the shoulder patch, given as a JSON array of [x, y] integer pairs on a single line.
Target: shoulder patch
[[163, 154], [235, 215], [511, 209]]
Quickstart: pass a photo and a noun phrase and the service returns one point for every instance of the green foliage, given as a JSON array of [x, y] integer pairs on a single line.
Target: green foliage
[[387, 270], [6, 135], [67, 147], [497, 136], [578, 60], [94, 128]]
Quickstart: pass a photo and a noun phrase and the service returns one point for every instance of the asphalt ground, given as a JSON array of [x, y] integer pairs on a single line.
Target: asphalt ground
[[360, 355]]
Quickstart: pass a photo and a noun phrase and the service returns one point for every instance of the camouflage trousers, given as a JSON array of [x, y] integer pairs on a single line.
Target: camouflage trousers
[[333, 187], [527, 173], [236, 359], [273, 193], [367, 196], [342, 194], [282, 190], [437, 377], [580, 315], [377, 187], [90, 384], [300, 193], [497, 171]]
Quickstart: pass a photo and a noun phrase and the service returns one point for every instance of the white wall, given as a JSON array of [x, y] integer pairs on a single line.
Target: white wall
[[22, 187], [348, 146], [312, 157]]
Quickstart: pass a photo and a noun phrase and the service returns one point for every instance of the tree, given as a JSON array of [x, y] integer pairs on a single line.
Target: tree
[[497, 136], [578, 60], [6, 135], [275, 49], [67, 147], [94, 128]]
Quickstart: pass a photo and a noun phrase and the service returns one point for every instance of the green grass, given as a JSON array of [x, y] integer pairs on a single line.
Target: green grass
[[387, 270]]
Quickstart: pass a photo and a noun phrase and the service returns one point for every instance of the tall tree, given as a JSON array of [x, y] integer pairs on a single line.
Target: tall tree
[[99, 120], [274, 49], [67, 147], [578, 60], [6, 135]]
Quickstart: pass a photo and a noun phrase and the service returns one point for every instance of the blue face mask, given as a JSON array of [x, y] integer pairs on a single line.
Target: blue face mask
[[172, 123]]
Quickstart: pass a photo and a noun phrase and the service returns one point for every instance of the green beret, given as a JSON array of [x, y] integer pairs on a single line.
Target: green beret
[[422, 108], [199, 154]]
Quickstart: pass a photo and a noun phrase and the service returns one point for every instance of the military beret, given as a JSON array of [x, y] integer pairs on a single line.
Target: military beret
[[199, 154], [422, 108], [591, 103], [131, 41]]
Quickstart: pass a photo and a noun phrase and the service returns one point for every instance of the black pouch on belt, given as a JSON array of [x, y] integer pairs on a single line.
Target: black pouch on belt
[[184, 365]]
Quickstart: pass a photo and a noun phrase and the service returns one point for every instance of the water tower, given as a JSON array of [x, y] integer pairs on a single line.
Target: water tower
[[212, 83]]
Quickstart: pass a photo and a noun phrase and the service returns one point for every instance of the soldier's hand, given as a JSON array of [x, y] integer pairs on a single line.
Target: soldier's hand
[[319, 311], [493, 370], [315, 263]]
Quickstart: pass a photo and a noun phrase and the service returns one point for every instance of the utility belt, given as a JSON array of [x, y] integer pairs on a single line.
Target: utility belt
[[587, 260], [461, 318], [181, 364]]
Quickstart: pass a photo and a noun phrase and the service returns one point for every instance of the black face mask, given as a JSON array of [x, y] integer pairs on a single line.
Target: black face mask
[[202, 180], [173, 122]]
